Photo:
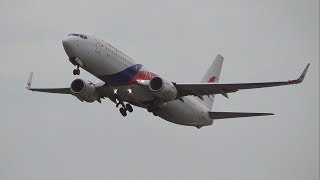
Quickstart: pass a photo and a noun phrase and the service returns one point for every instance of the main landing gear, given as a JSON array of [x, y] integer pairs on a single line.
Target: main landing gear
[[125, 107], [154, 110], [76, 71]]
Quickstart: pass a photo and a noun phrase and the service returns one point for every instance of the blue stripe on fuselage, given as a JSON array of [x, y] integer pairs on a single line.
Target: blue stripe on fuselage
[[123, 77]]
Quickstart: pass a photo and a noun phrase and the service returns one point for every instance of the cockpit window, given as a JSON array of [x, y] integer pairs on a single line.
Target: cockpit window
[[83, 36], [79, 35]]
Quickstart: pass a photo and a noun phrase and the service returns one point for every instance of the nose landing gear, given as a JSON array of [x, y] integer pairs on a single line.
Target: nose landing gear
[[77, 62], [76, 71]]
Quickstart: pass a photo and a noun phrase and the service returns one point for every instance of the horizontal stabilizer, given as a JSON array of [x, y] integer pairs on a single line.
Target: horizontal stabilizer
[[225, 115]]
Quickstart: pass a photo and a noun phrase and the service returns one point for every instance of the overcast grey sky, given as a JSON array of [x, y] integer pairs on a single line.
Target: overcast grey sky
[[44, 136]]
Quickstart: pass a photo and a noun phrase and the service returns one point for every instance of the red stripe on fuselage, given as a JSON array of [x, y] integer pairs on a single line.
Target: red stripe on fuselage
[[143, 75]]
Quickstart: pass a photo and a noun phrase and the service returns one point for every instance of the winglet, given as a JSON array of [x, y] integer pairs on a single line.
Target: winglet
[[28, 86], [300, 79]]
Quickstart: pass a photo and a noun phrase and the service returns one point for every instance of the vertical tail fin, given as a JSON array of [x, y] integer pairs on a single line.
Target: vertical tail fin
[[212, 76]]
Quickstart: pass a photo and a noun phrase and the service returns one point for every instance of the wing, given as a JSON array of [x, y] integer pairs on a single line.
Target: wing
[[102, 89], [209, 88], [47, 90]]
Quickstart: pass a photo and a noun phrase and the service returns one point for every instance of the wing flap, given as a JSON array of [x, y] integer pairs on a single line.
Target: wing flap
[[226, 115]]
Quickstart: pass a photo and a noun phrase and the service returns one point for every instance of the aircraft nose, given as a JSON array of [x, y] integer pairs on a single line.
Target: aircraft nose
[[67, 45]]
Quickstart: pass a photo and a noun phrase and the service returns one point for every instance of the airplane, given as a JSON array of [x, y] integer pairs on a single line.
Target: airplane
[[128, 83]]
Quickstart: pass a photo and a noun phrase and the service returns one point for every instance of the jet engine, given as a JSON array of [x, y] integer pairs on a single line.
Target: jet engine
[[84, 91], [163, 89]]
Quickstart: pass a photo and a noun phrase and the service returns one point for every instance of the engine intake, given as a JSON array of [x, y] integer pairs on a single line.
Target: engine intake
[[84, 91], [156, 84], [163, 89], [77, 86]]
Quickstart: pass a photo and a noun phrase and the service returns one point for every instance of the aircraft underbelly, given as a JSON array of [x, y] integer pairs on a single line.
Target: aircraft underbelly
[[134, 93], [185, 113]]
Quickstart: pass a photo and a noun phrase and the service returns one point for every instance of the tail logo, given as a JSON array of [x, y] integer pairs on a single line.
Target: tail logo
[[212, 79]]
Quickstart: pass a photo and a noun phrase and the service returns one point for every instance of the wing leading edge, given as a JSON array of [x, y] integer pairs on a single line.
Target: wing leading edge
[[210, 88]]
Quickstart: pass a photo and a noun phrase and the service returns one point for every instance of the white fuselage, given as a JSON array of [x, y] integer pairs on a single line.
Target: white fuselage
[[121, 73]]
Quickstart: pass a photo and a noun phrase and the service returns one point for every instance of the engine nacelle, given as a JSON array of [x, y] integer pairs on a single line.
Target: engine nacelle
[[163, 89], [83, 90]]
